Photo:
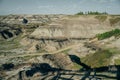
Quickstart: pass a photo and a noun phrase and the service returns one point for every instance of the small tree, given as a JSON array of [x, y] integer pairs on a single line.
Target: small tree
[[80, 13]]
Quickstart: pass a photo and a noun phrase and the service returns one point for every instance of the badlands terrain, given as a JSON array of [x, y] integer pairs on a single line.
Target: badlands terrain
[[60, 47]]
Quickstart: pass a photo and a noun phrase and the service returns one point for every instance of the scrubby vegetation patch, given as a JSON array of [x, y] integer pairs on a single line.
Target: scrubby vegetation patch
[[98, 59], [101, 18], [115, 32], [113, 21]]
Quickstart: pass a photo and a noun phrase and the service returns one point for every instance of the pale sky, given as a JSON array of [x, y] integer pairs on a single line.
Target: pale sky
[[58, 6]]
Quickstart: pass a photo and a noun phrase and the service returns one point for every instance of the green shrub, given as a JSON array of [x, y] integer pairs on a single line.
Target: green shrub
[[92, 13], [96, 13], [105, 35], [80, 13]]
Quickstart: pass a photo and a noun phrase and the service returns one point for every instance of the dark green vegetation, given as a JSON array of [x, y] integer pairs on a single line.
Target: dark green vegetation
[[92, 13], [115, 32], [80, 13], [101, 18]]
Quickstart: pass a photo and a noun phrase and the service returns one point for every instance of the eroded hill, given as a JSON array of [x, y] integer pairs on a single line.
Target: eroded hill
[[62, 44]]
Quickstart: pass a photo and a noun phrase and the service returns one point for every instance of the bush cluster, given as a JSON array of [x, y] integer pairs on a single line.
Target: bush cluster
[[115, 32], [92, 13]]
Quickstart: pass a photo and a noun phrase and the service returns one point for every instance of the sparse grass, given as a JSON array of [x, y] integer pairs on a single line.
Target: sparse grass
[[73, 16], [7, 45], [101, 58], [42, 51], [117, 61], [114, 50], [66, 51], [25, 58], [98, 59], [36, 24], [30, 30], [114, 20], [115, 32], [101, 18], [12, 43], [21, 58], [115, 15], [76, 66], [6, 53]]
